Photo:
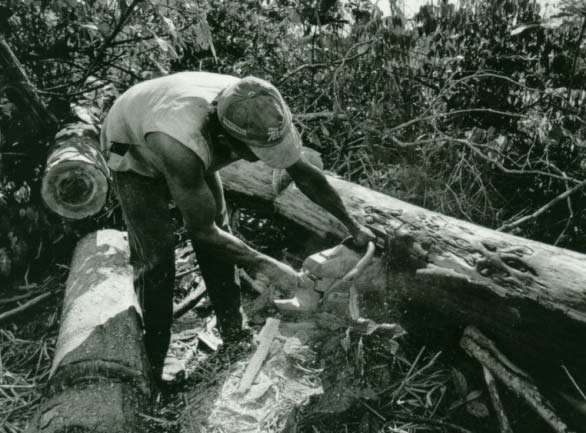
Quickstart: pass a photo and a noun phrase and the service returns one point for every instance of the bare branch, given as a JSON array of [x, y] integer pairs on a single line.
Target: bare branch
[[501, 167], [325, 64], [544, 208], [10, 314], [453, 113], [320, 115], [126, 14]]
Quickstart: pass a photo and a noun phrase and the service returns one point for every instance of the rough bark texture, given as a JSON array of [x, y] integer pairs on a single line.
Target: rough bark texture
[[99, 379], [75, 181], [524, 293], [15, 82]]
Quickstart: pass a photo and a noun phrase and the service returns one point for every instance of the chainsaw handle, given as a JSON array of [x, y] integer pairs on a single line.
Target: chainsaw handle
[[359, 268]]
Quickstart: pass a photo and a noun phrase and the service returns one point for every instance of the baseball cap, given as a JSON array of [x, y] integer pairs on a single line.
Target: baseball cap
[[253, 111]]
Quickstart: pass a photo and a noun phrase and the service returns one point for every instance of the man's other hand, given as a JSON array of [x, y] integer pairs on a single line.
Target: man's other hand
[[284, 276], [362, 236]]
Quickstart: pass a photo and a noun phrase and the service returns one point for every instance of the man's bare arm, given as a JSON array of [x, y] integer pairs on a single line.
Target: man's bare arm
[[184, 173], [313, 183]]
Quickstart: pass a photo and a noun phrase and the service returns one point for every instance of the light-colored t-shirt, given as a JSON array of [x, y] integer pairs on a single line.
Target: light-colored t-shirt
[[177, 105]]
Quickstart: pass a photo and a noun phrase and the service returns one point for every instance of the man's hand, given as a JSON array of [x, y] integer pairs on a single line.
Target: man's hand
[[362, 235], [312, 182], [284, 276]]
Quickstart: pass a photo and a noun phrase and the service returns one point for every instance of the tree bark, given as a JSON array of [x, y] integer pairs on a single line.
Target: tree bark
[[75, 181], [530, 297], [99, 380]]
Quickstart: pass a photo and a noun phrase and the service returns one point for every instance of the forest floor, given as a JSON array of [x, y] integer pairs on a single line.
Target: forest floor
[[417, 382]]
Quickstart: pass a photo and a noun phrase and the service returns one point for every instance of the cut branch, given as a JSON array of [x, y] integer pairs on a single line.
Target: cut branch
[[501, 415], [190, 301], [15, 82], [473, 343]]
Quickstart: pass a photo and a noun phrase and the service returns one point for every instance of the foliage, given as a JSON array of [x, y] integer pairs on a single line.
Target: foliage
[[520, 113], [474, 111]]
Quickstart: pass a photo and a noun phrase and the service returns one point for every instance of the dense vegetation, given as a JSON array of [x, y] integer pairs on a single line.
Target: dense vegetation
[[477, 112]]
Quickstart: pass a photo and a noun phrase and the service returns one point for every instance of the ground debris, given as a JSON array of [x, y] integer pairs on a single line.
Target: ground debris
[[287, 379]]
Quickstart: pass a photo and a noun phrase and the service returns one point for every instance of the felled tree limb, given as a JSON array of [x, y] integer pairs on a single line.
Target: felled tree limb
[[15, 82], [501, 415], [189, 301], [474, 344]]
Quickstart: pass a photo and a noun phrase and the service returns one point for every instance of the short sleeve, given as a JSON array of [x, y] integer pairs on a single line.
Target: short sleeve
[[182, 119]]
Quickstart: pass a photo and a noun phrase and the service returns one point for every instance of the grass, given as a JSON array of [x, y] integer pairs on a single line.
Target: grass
[[24, 370], [26, 352]]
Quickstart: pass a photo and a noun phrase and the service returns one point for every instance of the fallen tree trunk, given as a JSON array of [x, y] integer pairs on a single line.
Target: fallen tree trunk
[[523, 293], [99, 380], [75, 181]]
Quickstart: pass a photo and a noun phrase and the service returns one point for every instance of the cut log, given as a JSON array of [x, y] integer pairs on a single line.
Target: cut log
[[521, 292], [75, 181], [99, 380]]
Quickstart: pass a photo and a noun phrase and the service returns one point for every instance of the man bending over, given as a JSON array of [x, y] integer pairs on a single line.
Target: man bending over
[[166, 139]]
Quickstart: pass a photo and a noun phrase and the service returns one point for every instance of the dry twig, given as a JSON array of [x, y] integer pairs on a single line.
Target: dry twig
[[25, 307]]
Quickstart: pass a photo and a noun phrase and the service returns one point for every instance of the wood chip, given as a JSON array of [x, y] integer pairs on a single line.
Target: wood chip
[[268, 332]]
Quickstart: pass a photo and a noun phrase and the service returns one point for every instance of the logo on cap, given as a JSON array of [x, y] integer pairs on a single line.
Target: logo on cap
[[275, 133]]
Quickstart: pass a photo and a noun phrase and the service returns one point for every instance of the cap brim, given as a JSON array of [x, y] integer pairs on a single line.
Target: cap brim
[[283, 154]]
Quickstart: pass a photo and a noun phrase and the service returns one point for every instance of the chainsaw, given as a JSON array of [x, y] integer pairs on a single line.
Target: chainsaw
[[333, 273]]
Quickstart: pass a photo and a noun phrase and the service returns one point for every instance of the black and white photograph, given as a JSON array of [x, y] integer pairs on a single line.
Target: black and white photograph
[[292, 216]]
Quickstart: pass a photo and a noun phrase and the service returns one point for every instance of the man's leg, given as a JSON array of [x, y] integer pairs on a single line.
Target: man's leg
[[220, 276], [145, 204]]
